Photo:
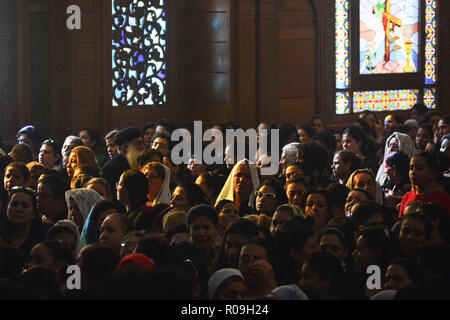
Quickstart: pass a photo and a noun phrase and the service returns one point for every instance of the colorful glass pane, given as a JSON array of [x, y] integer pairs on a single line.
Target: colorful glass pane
[[430, 41], [139, 52], [342, 44], [390, 100], [429, 98], [343, 103], [389, 36]]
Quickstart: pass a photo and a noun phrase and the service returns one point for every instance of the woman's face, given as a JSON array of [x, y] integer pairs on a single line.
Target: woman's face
[[40, 256], [101, 190], [23, 138], [154, 180], [203, 233], [20, 209], [310, 280], [391, 172], [419, 172], [370, 118], [70, 240], [129, 245], [390, 123], [397, 278], [412, 236], [340, 169], [232, 248], [393, 145], [162, 145], [46, 203], [227, 215], [338, 138], [250, 254], [74, 214], [365, 181], [112, 233], [292, 171], [47, 156], [353, 198], [422, 139], [363, 256], [294, 192], [196, 168], [266, 200], [13, 177], [332, 244], [180, 199], [279, 220], [316, 207], [349, 143], [148, 135], [317, 125], [86, 138], [233, 291], [443, 128], [303, 136], [72, 164], [242, 182]]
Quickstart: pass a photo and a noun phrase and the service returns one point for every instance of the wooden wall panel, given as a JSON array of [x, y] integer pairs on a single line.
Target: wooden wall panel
[[296, 43], [245, 110], [297, 54], [203, 67], [289, 108]]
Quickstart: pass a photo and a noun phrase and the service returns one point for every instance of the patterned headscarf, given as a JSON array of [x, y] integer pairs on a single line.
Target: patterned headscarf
[[84, 198]]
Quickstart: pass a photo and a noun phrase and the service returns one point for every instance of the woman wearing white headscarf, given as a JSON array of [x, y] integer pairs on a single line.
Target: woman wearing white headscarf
[[158, 176], [240, 187], [396, 142], [80, 202]]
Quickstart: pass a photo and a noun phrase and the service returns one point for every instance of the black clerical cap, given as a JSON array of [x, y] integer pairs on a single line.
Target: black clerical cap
[[126, 135]]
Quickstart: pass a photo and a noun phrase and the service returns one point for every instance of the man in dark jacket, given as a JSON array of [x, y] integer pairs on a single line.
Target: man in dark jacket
[[128, 141]]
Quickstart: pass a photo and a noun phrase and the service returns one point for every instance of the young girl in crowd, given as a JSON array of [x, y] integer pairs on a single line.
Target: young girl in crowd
[[425, 177]]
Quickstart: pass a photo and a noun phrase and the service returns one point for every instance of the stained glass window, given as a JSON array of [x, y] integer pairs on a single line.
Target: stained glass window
[[389, 36], [430, 41], [389, 42], [139, 54], [342, 45], [389, 100]]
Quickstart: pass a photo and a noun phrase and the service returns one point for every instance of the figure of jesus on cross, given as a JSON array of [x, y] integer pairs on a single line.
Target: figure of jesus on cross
[[383, 11]]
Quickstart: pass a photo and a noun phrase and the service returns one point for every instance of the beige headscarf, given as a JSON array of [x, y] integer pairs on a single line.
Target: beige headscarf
[[227, 192], [378, 196]]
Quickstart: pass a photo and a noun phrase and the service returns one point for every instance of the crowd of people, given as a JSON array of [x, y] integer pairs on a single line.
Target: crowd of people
[[353, 214]]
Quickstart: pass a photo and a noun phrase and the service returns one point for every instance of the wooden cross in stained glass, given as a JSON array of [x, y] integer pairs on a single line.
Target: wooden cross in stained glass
[[383, 11]]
